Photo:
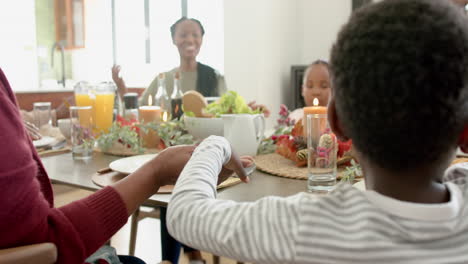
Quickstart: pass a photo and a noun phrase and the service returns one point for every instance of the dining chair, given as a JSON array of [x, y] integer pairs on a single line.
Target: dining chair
[[140, 215], [43, 253], [136, 217]]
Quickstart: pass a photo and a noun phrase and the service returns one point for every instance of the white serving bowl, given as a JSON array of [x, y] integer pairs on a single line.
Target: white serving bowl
[[65, 127], [203, 127]]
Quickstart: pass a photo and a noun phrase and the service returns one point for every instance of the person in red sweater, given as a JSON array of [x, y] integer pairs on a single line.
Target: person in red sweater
[[27, 214]]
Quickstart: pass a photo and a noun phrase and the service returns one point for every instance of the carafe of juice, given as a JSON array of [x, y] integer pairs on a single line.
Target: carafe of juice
[[162, 99], [176, 99], [83, 94]]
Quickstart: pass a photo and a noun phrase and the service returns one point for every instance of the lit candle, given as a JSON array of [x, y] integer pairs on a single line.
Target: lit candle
[[314, 110], [165, 116], [149, 114]]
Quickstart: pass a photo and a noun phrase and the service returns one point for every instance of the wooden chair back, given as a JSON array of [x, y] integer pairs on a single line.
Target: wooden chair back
[[44, 253]]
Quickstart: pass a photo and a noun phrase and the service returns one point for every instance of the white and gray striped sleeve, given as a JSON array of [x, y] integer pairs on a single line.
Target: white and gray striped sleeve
[[263, 231]]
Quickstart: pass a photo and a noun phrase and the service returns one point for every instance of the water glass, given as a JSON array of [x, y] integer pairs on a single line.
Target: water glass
[[42, 114], [322, 154], [81, 133]]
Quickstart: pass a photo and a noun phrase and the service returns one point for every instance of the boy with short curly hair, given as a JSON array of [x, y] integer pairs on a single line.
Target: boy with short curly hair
[[400, 92]]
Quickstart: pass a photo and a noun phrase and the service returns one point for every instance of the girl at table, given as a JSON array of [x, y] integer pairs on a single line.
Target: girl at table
[[316, 84], [400, 92], [78, 229]]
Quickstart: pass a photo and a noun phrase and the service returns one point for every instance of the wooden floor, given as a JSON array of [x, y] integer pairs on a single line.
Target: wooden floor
[[148, 245]]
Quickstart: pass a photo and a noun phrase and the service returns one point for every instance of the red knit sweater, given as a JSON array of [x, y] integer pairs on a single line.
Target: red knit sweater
[[27, 215]]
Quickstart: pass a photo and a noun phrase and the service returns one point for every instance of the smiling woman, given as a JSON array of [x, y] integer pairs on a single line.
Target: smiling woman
[[187, 36], [140, 64]]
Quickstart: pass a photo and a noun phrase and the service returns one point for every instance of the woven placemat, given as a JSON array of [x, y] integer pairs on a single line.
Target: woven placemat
[[278, 165], [106, 179]]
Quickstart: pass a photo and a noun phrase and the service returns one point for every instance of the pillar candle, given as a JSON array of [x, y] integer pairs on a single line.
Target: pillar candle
[[314, 110], [149, 114]]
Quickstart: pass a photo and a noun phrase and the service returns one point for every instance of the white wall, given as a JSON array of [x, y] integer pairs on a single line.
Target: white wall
[[321, 21], [263, 38], [259, 48]]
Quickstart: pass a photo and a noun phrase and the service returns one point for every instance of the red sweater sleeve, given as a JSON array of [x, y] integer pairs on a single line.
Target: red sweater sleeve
[[26, 214]]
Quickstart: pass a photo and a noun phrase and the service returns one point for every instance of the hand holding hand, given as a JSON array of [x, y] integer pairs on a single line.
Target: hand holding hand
[[236, 164], [168, 164]]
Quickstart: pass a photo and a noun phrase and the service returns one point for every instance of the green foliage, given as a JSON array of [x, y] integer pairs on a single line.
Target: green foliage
[[124, 135], [173, 133], [351, 172], [189, 113], [230, 103], [268, 145]]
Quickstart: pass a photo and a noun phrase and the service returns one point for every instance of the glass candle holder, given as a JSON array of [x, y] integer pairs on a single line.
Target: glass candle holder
[[322, 154]]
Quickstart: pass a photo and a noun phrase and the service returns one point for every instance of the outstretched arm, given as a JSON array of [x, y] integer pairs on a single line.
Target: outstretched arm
[[79, 228]]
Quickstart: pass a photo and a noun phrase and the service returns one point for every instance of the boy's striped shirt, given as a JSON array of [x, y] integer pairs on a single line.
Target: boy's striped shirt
[[347, 226]]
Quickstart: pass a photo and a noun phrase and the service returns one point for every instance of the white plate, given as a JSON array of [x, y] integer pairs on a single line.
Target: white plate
[[44, 141], [130, 164], [360, 185]]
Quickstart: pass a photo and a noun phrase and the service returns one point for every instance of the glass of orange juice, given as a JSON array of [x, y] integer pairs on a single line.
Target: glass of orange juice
[[84, 96], [104, 94]]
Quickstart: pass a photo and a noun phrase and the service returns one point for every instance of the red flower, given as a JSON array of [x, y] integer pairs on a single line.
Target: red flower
[[128, 122], [344, 147]]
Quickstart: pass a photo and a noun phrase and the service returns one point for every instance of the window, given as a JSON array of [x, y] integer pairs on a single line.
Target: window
[[131, 35], [211, 15]]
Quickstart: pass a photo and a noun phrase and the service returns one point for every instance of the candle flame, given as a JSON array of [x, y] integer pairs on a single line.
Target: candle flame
[[164, 117], [315, 102], [150, 100]]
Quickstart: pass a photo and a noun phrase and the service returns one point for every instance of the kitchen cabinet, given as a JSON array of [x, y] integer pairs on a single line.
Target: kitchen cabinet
[[69, 23]]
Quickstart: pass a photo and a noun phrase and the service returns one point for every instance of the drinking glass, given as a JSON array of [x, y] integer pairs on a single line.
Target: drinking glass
[[84, 96], [81, 133], [42, 114], [104, 106], [322, 154]]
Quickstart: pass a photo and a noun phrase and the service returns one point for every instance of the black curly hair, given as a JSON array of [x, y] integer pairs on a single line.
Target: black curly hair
[[400, 75], [173, 27]]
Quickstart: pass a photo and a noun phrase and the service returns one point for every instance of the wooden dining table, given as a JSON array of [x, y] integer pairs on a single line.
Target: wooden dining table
[[64, 169]]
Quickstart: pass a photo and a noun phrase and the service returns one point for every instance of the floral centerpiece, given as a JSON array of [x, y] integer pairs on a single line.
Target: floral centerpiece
[[288, 141], [123, 138]]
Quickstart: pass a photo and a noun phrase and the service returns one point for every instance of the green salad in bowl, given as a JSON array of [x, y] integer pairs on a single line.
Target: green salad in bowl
[[203, 127]]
